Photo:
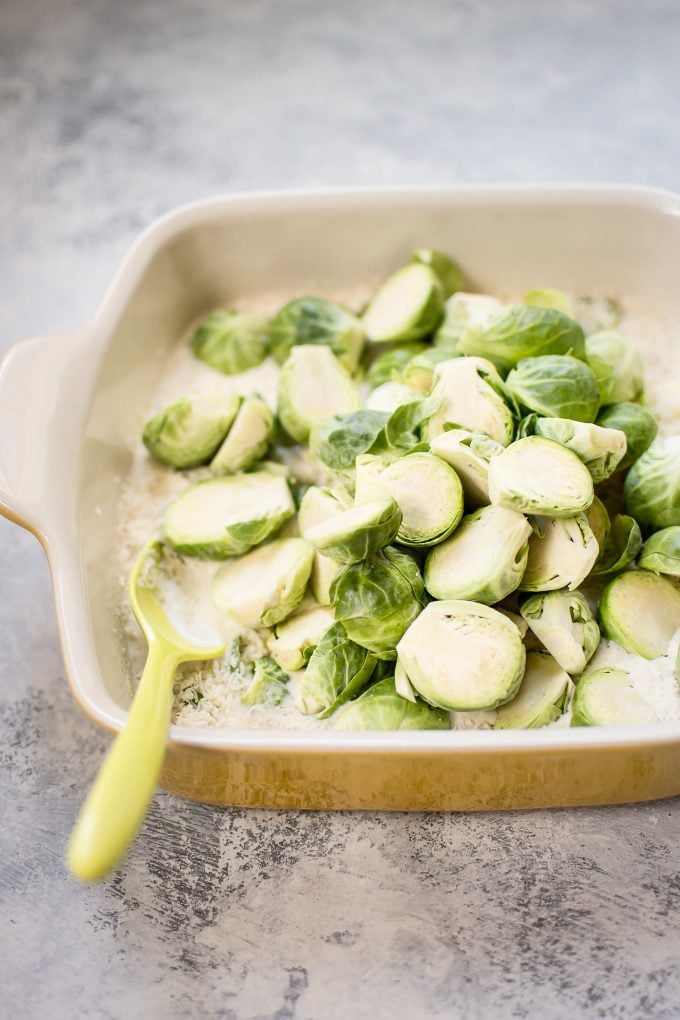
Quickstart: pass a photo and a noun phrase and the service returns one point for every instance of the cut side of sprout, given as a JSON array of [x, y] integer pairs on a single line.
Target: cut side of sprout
[[265, 586], [248, 438], [641, 612], [563, 622], [390, 396], [606, 697], [293, 641], [319, 505], [469, 454], [357, 533], [545, 693], [313, 385], [537, 476], [469, 401], [561, 555], [408, 306]]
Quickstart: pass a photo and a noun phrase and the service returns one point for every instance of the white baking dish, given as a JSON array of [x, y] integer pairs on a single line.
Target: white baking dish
[[68, 401]]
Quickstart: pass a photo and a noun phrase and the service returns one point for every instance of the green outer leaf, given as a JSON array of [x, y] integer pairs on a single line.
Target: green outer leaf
[[637, 423], [187, 433], [337, 671], [557, 386], [404, 420], [661, 552], [382, 708], [524, 331], [269, 685], [347, 540], [340, 439], [617, 366], [313, 320], [231, 342], [389, 365], [652, 487], [450, 274], [622, 546]]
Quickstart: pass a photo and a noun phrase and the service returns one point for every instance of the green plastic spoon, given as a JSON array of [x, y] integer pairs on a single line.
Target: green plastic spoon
[[117, 802]]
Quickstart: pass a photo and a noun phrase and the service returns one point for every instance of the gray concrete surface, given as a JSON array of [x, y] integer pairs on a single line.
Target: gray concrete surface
[[111, 113]]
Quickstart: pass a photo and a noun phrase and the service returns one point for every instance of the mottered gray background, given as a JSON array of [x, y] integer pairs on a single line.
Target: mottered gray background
[[111, 113]]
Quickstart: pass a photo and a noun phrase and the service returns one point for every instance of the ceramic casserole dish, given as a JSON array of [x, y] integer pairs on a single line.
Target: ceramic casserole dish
[[69, 401]]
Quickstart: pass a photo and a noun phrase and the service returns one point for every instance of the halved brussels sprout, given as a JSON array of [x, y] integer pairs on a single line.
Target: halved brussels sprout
[[561, 554], [641, 612], [187, 433], [661, 552], [266, 585], [484, 559], [463, 310], [617, 366], [358, 532], [389, 365], [544, 695], [248, 438], [312, 386], [427, 491], [600, 449], [606, 697], [378, 599], [231, 342], [652, 486], [381, 707], [624, 542], [269, 685], [462, 656], [338, 671], [227, 516], [402, 684], [319, 505], [390, 396], [294, 640], [547, 297], [556, 386], [637, 424], [469, 400], [523, 332], [418, 373], [339, 439], [450, 274], [563, 622], [538, 476], [469, 454], [312, 320], [407, 306], [599, 522]]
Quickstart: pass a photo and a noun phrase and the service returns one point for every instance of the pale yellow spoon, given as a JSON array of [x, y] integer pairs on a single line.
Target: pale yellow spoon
[[117, 802]]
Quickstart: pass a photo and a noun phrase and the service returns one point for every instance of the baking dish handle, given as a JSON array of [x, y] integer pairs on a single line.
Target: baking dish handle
[[43, 389]]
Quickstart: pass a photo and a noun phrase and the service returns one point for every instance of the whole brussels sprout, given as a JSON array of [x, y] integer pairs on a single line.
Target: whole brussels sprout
[[561, 554], [187, 433], [606, 697], [313, 385], [652, 486], [600, 449], [358, 532], [450, 274], [484, 559], [563, 622], [641, 612], [312, 320], [469, 454], [269, 685], [338, 671], [538, 476], [231, 342], [266, 585], [638, 425], [543, 697], [376, 600], [463, 657], [661, 552], [557, 386], [617, 366], [523, 332], [248, 438], [381, 707], [460, 311], [389, 365], [468, 399], [408, 306]]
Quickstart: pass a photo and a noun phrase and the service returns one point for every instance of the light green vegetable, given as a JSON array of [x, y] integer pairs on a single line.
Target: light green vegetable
[[389, 365], [382, 708], [408, 306], [312, 320], [427, 491], [547, 297], [661, 552], [338, 671], [269, 685], [418, 373], [652, 486], [358, 532], [641, 612], [265, 586], [313, 385], [319, 505], [294, 640], [638, 425], [468, 399], [545, 693], [187, 433], [450, 274], [462, 656], [537, 476], [463, 310], [469, 454], [600, 449], [390, 396], [231, 342], [624, 542], [227, 516], [563, 622], [522, 332], [484, 560], [617, 366], [561, 554], [556, 386], [606, 697], [378, 599], [340, 439], [598, 520], [248, 438]]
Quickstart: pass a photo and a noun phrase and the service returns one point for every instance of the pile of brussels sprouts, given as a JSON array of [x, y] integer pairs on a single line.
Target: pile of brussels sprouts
[[483, 462]]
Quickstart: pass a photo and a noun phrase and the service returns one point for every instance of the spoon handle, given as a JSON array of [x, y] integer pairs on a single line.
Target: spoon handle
[[116, 804]]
